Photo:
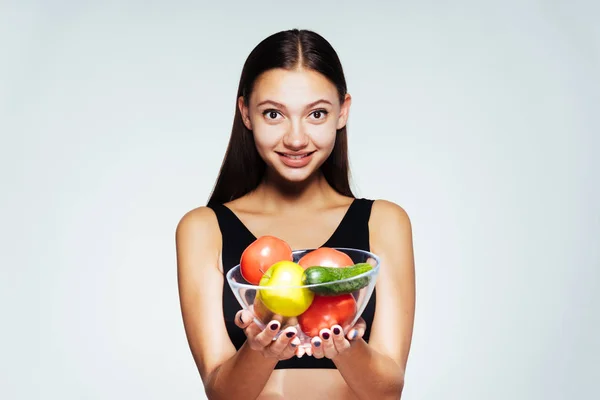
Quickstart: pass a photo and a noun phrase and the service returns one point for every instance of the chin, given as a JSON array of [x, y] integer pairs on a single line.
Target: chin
[[296, 176]]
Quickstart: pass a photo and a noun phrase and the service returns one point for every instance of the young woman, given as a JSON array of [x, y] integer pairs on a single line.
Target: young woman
[[285, 174]]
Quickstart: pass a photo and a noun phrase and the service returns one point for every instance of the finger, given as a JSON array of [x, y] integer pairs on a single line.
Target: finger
[[329, 350], [265, 337], [243, 318], [309, 350], [317, 347], [339, 341], [251, 331], [291, 349], [283, 340], [358, 330], [300, 351]]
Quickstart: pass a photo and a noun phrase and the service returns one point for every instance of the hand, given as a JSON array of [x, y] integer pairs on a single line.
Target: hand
[[332, 342], [262, 340]]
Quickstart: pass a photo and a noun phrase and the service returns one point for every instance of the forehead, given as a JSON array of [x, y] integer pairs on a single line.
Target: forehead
[[294, 88]]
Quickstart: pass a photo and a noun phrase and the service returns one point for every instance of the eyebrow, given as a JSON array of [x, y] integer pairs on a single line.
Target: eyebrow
[[314, 103]]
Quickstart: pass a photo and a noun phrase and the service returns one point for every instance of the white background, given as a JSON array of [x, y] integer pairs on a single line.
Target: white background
[[480, 118]]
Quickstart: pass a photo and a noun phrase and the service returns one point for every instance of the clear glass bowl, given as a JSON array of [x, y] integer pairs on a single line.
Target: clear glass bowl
[[246, 294]]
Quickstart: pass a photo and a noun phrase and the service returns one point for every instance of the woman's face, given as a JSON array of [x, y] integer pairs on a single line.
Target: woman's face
[[294, 116]]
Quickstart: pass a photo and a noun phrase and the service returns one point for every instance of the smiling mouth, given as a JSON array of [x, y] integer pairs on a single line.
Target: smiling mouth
[[295, 156]]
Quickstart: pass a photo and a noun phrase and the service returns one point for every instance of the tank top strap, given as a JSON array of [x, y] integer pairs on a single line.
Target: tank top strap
[[234, 235], [353, 231], [229, 222]]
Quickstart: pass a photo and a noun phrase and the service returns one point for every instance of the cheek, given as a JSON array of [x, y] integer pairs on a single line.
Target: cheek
[[266, 137], [323, 137]]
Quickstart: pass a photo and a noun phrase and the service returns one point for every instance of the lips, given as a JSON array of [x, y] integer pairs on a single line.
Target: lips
[[296, 160], [295, 156]]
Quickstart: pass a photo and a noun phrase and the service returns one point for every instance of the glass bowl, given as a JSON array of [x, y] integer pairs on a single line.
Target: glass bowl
[[325, 309]]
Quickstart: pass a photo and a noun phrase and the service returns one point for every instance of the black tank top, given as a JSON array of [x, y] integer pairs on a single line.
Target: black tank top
[[352, 232]]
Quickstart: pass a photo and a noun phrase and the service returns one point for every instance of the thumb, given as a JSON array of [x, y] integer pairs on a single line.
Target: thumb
[[358, 330], [243, 318]]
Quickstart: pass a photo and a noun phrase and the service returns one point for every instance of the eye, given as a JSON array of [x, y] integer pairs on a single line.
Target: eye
[[271, 114], [320, 114]]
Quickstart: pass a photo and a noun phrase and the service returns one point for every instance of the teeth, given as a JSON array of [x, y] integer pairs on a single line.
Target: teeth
[[295, 157]]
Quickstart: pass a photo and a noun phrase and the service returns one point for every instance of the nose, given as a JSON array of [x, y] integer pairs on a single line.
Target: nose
[[295, 138]]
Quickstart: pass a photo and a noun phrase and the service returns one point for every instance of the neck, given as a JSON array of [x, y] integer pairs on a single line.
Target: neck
[[278, 195]]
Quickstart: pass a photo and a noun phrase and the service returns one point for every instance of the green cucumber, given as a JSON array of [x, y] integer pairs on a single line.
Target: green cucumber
[[328, 277]]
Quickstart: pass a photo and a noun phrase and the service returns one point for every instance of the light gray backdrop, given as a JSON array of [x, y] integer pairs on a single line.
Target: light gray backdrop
[[480, 118]]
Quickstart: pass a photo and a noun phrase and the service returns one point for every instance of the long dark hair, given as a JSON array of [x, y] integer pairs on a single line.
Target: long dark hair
[[243, 169]]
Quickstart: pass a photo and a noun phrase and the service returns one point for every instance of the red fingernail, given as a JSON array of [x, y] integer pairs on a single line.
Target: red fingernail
[[273, 326], [289, 334], [336, 331], [325, 335]]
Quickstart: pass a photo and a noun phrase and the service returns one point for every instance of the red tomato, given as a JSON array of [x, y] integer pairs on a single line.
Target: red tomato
[[326, 257], [260, 255], [326, 311]]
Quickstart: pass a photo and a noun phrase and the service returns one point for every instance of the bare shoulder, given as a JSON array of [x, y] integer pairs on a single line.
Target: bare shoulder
[[390, 228], [198, 229], [387, 215], [201, 218]]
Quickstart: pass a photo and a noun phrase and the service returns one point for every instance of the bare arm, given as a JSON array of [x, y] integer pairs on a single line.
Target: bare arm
[[376, 370], [226, 374]]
